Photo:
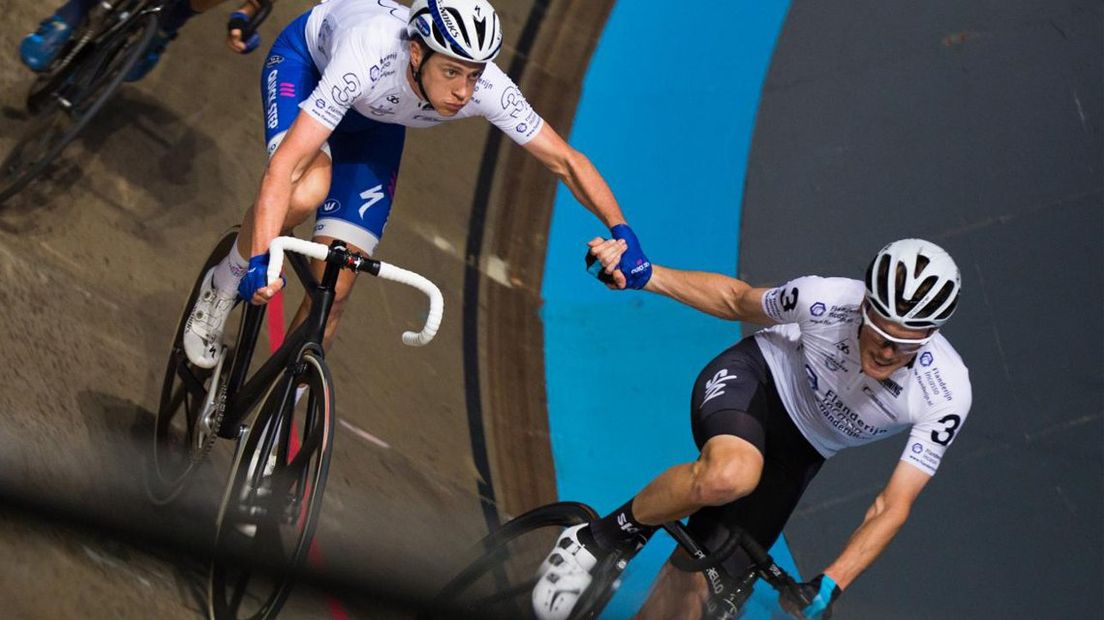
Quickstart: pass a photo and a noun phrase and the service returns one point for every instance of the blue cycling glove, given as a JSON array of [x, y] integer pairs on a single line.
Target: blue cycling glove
[[240, 21], [634, 265], [255, 278], [822, 592]]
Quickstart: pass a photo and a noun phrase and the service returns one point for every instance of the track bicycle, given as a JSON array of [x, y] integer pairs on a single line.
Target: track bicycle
[[84, 75], [282, 418], [498, 583]]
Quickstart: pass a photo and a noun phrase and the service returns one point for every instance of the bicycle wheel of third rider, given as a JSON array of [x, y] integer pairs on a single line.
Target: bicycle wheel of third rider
[[500, 581], [67, 101], [271, 506], [185, 424]]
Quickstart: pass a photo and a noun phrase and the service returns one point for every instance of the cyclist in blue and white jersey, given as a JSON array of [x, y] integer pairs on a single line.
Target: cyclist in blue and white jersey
[[843, 364], [340, 86], [38, 49]]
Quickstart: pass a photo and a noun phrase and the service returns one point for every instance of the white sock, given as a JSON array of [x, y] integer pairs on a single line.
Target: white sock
[[229, 271]]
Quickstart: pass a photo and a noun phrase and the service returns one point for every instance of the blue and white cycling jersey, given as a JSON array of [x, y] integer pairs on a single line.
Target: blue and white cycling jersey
[[361, 49], [814, 357]]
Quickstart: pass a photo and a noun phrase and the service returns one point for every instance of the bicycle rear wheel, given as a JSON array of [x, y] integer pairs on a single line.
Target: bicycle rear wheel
[[271, 506], [181, 435], [500, 581], [64, 103]]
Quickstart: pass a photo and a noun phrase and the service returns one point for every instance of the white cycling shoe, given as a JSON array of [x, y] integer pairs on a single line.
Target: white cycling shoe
[[203, 330], [564, 576]]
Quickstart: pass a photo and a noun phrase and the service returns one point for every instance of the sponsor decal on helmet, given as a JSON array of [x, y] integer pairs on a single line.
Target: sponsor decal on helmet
[[423, 27]]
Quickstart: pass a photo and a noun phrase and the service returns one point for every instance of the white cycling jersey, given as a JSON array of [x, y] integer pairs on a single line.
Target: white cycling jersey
[[362, 52], [814, 357]]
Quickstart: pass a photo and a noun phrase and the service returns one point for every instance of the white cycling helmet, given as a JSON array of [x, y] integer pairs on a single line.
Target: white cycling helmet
[[462, 29], [913, 283]]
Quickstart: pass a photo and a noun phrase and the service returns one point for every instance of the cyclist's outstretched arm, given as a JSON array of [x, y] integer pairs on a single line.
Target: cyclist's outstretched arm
[[577, 173], [883, 520], [719, 295], [300, 146]]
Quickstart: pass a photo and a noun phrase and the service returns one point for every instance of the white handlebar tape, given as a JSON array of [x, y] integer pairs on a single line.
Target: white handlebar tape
[[387, 271], [302, 246], [436, 302]]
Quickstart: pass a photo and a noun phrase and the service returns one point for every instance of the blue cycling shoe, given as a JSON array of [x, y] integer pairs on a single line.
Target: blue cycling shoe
[[39, 48], [146, 63]]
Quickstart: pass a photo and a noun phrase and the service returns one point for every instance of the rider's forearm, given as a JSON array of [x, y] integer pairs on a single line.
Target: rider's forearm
[[590, 189], [270, 211], [711, 293], [881, 524]]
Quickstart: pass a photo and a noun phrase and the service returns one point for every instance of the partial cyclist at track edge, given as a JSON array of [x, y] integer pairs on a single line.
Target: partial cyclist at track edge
[[39, 48], [843, 363], [339, 87]]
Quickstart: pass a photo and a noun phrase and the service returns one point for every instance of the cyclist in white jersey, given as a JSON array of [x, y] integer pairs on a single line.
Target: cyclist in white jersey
[[844, 363], [339, 87]]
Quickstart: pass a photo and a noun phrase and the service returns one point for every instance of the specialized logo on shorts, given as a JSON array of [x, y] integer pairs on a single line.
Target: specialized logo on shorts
[[926, 358], [274, 60], [331, 205], [373, 196], [715, 386], [817, 309]]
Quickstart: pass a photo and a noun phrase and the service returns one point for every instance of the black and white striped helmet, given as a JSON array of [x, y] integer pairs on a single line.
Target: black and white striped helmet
[[462, 29], [913, 283]]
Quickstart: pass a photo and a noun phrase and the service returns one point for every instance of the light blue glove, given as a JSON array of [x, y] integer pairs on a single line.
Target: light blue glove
[[821, 592]]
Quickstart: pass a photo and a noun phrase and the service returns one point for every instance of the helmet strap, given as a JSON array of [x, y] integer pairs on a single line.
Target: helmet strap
[[427, 51]]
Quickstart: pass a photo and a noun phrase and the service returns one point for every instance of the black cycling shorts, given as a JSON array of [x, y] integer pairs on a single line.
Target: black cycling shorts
[[735, 395]]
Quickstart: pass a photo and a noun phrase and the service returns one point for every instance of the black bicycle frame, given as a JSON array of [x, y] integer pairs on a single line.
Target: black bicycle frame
[[242, 395], [728, 589]]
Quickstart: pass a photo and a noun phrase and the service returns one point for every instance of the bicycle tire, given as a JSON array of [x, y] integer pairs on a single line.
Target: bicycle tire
[[491, 556], [85, 94], [177, 451], [272, 487]]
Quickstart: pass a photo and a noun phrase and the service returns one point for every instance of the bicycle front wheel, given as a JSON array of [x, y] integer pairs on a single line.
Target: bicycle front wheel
[[499, 582], [271, 506], [66, 103]]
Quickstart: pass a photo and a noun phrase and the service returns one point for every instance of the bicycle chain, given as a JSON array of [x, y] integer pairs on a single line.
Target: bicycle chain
[[216, 424]]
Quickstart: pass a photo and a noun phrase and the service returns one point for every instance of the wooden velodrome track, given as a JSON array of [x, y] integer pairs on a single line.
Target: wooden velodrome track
[[94, 265]]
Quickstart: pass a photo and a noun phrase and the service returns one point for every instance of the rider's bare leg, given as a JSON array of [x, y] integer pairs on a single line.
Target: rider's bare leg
[[728, 469]]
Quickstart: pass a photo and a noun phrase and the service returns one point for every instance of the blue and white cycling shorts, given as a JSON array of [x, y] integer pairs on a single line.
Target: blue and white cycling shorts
[[365, 153]]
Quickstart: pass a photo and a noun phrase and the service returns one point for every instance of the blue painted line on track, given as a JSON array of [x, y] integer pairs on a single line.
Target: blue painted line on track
[[666, 115]]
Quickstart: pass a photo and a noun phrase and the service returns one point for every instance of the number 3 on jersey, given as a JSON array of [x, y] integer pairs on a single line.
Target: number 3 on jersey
[[951, 423], [349, 92]]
